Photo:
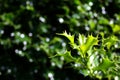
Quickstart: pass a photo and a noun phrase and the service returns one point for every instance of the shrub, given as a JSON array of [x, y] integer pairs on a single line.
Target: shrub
[[94, 56]]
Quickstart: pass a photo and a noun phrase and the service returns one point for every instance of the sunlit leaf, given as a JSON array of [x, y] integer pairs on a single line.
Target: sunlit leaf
[[81, 39], [69, 36], [90, 41], [67, 56], [110, 41], [105, 65], [115, 28]]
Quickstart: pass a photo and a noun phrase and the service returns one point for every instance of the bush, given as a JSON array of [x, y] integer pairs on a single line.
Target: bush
[[94, 57], [28, 37]]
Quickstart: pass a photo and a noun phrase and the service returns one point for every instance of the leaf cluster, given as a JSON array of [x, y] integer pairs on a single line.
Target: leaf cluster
[[96, 62]]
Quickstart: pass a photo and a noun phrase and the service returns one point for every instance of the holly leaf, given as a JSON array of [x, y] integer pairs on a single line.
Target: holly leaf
[[86, 45], [69, 36], [105, 65]]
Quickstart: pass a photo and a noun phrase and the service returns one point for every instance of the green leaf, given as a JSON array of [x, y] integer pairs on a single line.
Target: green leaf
[[67, 56], [105, 65], [103, 20], [92, 24], [110, 41], [115, 28], [81, 39], [91, 61], [7, 18], [85, 72], [90, 41], [69, 36]]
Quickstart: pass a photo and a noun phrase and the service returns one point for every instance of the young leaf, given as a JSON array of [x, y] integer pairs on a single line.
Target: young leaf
[[81, 39], [69, 36], [88, 44]]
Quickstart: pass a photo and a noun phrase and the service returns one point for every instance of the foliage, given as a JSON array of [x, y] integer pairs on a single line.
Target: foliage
[[91, 60], [28, 37]]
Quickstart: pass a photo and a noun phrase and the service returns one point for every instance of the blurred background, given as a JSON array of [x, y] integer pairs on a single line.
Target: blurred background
[[28, 34]]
